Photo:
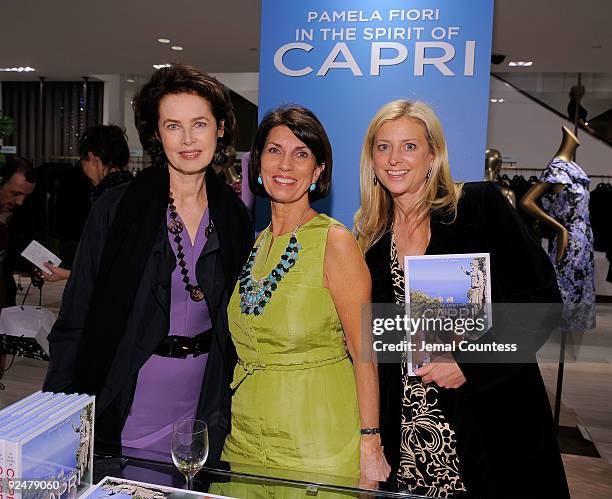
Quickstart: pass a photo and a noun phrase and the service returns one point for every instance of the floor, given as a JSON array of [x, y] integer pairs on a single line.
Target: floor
[[586, 400]]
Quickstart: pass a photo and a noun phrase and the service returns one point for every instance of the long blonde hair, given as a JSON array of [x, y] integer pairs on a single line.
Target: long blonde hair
[[375, 214]]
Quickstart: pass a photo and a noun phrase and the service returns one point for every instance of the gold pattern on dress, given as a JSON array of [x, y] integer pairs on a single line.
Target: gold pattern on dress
[[429, 464]]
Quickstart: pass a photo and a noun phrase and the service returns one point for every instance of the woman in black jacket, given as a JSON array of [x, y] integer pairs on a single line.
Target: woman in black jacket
[[143, 322], [104, 155], [459, 428]]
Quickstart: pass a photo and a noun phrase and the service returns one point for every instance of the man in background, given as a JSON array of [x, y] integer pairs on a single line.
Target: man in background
[[17, 181]]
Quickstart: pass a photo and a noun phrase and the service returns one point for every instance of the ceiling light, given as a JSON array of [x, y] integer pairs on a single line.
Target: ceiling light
[[129, 80], [163, 40], [500, 100], [159, 66], [520, 63], [20, 69], [493, 100], [177, 47]]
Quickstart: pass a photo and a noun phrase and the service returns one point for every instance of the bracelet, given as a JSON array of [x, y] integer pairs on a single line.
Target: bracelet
[[370, 431]]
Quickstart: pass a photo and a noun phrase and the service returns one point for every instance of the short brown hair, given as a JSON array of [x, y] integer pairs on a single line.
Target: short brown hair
[[178, 79], [305, 126]]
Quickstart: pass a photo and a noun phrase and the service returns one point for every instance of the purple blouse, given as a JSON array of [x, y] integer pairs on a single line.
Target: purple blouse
[[168, 389]]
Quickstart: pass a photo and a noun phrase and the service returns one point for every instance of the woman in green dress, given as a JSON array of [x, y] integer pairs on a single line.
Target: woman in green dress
[[306, 382]]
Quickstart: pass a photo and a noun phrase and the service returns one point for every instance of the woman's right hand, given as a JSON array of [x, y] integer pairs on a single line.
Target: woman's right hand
[[55, 273], [374, 466], [562, 243]]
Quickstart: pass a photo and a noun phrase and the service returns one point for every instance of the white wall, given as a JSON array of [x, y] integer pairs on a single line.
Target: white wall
[[531, 134], [112, 108], [554, 88], [244, 84], [130, 128]]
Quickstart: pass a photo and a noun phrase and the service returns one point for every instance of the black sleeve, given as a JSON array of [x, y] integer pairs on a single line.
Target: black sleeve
[[65, 336], [525, 288], [571, 110]]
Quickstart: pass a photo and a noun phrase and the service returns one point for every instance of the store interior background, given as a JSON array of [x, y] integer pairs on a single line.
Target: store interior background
[[114, 44]]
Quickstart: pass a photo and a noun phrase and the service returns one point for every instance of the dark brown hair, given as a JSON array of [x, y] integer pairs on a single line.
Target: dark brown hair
[[305, 126], [108, 143], [17, 164], [178, 79]]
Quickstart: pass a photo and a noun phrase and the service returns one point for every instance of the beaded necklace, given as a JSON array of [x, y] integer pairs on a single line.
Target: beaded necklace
[[176, 228], [256, 293]]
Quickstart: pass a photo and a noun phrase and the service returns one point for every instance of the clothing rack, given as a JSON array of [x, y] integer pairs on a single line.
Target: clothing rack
[[518, 169]]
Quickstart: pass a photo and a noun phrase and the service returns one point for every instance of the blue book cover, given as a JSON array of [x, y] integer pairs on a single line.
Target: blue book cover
[[448, 300], [119, 488], [58, 452], [18, 416], [20, 404], [22, 407], [35, 417]]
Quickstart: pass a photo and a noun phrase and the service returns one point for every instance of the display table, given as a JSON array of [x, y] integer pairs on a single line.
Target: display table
[[231, 480]]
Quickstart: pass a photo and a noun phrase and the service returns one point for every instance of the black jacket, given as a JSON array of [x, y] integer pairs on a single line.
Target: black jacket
[[501, 415], [217, 269]]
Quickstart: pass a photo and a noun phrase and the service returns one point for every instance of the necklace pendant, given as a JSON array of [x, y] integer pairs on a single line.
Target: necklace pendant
[[175, 227], [196, 293], [256, 294]]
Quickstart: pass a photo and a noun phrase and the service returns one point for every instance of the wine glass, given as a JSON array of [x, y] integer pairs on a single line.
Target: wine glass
[[189, 447]]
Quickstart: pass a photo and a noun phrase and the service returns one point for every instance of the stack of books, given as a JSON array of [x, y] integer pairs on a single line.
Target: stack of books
[[46, 446]]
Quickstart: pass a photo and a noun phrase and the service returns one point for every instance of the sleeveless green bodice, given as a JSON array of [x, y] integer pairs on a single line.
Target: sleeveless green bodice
[[295, 403]]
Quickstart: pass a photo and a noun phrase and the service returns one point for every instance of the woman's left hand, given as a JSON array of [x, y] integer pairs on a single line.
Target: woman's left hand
[[374, 466], [443, 374]]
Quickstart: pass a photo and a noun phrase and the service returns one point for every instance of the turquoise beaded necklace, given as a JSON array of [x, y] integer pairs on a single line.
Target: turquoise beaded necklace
[[256, 293]]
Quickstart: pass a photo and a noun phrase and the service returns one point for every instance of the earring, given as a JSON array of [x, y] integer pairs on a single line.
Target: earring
[[428, 174], [375, 180], [312, 187], [259, 180]]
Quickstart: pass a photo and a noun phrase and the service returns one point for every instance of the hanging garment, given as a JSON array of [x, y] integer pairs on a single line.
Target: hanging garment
[[576, 270], [600, 208]]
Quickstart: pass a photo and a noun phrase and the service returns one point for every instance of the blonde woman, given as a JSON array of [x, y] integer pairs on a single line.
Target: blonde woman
[[479, 429]]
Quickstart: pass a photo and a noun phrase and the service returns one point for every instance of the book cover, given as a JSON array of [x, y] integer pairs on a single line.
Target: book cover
[[20, 403], [39, 414], [58, 450], [120, 488], [15, 416], [448, 300], [20, 408]]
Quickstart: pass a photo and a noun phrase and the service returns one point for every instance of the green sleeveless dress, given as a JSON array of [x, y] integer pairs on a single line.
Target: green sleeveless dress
[[295, 401]]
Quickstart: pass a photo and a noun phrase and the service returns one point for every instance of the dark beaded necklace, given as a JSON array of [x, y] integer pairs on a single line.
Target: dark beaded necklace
[[176, 228], [256, 293]]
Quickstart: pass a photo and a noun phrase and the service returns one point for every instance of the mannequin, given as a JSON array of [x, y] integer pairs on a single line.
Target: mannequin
[[493, 164], [531, 200], [561, 200]]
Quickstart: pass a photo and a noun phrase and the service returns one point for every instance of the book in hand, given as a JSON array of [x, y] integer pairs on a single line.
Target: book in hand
[[448, 299], [46, 446], [120, 488]]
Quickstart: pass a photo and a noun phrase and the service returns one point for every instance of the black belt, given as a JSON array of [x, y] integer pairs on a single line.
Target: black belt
[[179, 347]]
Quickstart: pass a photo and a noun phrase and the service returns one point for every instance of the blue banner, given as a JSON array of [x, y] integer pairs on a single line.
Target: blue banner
[[344, 59]]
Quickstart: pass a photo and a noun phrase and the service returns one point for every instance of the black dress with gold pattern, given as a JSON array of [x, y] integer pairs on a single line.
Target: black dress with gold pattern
[[428, 448]]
